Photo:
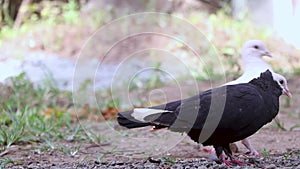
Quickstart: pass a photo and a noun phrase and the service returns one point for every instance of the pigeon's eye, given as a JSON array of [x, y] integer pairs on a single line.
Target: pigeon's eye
[[281, 81], [256, 47]]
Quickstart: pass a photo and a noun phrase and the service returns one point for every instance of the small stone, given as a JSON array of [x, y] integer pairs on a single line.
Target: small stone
[[70, 138], [271, 166], [152, 160]]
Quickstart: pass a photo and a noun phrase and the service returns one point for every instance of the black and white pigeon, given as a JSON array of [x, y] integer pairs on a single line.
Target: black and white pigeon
[[216, 117], [253, 65]]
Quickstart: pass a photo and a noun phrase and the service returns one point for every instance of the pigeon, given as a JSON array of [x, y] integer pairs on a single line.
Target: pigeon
[[246, 108], [253, 64]]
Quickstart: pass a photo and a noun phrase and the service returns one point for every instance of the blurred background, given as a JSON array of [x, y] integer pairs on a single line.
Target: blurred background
[[44, 38], [50, 47], [42, 41]]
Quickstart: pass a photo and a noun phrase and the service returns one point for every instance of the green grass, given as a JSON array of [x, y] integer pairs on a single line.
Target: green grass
[[287, 156], [69, 150], [169, 160], [265, 153], [31, 126], [295, 126], [279, 124], [23, 112], [36, 116], [5, 161], [149, 83]]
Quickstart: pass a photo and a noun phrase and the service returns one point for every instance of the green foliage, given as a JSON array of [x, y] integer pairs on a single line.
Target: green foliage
[[265, 153], [95, 137], [102, 155], [23, 112], [31, 126], [287, 102], [51, 13], [70, 12], [279, 124], [21, 93], [69, 150], [5, 161], [13, 131], [287, 156], [44, 13], [7, 32], [169, 160], [296, 126], [198, 76], [146, 84], [105, 99], [297, 71]]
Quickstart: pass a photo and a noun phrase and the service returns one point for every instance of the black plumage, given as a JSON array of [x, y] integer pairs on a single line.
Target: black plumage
[[219, 116]]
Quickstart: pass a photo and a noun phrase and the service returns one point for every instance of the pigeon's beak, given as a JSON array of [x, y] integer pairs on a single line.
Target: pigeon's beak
[[267, 53], [287, 92]]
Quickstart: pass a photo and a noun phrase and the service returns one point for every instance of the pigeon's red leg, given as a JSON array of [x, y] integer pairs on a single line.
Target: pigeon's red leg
[[231, 162], [234, 161], [226, 162], [221, 157], [252, 150]]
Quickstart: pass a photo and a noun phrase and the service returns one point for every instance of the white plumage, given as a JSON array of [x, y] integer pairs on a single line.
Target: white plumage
[[252, 62], [141, 113]]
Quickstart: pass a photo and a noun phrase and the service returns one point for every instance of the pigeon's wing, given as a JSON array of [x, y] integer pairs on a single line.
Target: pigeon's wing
[[182, 114], [242, 116], [223, 112], [171, 106], [244, 104], [189, 111]]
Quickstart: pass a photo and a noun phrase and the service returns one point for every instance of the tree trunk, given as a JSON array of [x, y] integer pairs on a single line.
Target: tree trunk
[[20, 14], [9, 11]]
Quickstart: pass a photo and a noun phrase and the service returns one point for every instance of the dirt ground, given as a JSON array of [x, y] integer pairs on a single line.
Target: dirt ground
[[121, 148]]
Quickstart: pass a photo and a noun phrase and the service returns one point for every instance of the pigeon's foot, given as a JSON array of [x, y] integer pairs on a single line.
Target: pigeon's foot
[[231, 162], [234, 162], [237, 162], [253, 153], [226, 162]]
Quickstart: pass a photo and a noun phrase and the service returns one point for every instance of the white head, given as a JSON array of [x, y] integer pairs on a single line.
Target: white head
[[282, 83], [254, 48]]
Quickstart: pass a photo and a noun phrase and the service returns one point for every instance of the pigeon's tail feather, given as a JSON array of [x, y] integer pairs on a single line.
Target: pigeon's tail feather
[[144, 114], [125, 119], [141, 117]]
